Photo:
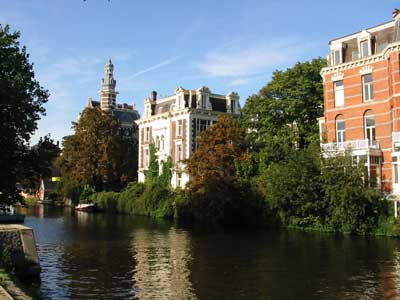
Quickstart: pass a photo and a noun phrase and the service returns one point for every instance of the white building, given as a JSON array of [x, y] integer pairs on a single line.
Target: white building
[[173, 123]]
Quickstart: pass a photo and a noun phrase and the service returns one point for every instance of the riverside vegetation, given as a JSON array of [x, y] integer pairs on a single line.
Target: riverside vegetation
[[264, 167]]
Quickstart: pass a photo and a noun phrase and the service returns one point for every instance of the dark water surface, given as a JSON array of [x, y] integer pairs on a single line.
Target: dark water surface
[[100, 256]]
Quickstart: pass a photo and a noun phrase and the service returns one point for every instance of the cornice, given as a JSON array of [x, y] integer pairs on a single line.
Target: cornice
[[363, 61]]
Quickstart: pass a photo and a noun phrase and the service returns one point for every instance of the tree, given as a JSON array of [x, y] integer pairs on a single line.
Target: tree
[[154, 168], [39, 161], [94, 154], [292, 188], [283, 115], [21, 106], [220, 146]]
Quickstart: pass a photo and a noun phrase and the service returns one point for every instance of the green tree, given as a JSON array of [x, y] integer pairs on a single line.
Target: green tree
[[93, 155], [292, 189], [21, 106], [39, 161], [283, 115], [154, 168]]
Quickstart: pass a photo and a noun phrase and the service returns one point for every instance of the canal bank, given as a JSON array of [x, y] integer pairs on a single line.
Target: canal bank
[[19, 256]]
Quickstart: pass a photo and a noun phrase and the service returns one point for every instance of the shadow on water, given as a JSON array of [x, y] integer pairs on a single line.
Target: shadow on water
[[101, 256]]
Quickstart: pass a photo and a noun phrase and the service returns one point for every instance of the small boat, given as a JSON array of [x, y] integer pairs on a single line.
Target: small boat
[[85, 207]]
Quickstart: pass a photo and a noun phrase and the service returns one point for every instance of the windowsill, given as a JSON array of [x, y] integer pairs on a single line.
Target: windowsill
[[367, 101]]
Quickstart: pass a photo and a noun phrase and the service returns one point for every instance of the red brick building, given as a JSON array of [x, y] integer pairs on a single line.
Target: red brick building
[[362, 101]]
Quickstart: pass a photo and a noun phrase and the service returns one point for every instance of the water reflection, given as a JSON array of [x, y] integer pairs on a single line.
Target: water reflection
[[100, 256], [162, 264]]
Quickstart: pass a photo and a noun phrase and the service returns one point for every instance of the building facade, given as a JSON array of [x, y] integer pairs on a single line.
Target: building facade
[[362, 101], [125, 114], [173, 123]]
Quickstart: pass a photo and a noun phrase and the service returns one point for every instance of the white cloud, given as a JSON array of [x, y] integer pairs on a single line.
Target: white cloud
[[155, 67], [240, 81], [253, 59]]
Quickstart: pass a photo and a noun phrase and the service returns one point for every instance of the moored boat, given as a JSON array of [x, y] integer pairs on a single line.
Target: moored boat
[[85, 207]]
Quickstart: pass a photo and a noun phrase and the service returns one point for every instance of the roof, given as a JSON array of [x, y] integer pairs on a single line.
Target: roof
[[357, 32], [126, 116]]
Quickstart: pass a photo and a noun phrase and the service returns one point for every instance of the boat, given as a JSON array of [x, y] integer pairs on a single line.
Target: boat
[[89, 207]]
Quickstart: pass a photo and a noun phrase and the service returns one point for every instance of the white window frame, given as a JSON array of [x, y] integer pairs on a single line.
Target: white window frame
[[162, 142], [179, 128], [370, 131], [363, 42], [334, 57], [179, 152], [147, 134], [338, 93], [179, 179], [367, 88], [340, 133]]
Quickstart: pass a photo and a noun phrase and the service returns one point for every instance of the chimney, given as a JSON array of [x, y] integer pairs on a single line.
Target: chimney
[[153, 96]]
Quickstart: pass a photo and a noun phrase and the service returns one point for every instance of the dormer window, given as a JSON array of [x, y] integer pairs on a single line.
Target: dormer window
[[203, 102], [233, 104], [337, 57], [364, 48], [179, 101]]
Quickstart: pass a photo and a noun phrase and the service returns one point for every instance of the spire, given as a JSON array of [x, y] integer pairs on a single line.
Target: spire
[[108, 83]]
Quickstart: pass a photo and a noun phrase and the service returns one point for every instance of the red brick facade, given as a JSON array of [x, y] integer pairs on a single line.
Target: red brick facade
[[379, 148]]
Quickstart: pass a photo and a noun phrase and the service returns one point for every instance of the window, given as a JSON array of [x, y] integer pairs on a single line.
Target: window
[[340, 130], [147, 134], [369, 125], [364, 48], [339, 93], [179, 153], [233, 104], [395, 164], [355, 55], [158, 143], [179, 179], [336, 57], [162, 143], [179, 131], [203, 101], [147, 157], [179, 102], [368, 87]]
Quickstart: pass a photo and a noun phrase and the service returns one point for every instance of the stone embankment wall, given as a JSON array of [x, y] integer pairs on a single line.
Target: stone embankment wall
[[19, 242]]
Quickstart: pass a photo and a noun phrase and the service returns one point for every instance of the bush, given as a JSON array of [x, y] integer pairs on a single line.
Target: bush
[[352, 205], [292, 189], [223, 203], [156, 201]]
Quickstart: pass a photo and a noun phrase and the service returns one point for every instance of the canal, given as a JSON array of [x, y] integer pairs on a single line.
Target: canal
[[100, 256]]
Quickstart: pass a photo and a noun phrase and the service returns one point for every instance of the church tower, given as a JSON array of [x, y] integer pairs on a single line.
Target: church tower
[[108, 94]]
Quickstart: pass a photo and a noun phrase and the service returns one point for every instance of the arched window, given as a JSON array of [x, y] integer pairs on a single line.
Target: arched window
[[340, 129], [158, 142], [369, 125], [162, 142]]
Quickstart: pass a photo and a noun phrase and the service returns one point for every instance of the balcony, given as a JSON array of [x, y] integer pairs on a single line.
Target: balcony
[[353, 145]]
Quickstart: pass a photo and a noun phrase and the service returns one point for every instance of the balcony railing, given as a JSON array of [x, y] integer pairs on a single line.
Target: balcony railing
[[353, 145]]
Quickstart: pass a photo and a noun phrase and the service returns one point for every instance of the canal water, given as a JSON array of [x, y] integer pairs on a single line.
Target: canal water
[[101, 256]]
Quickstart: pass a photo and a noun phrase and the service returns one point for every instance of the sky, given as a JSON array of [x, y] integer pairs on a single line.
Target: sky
[[226, 45]]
